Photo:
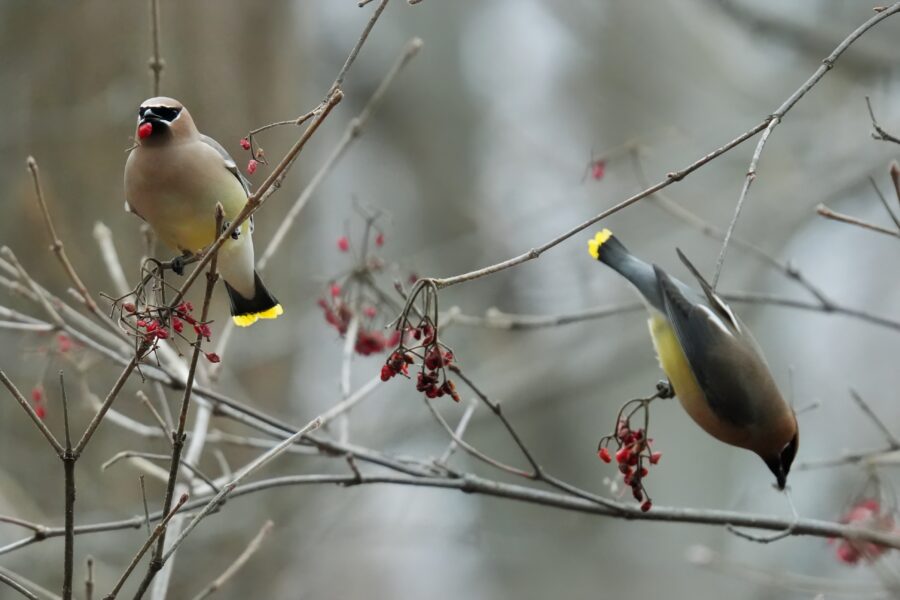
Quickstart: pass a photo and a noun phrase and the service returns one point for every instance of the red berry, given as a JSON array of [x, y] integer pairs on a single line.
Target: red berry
[[370, 311], [63, 342], [654, 458], [644, 472], [604, 455], [37, 394], [39, 410], [161, 333], [623, 455], [177, 324], [343, 243], [394, 339], [637, 493], [141, 323], [335, 290], [379, 240], [387, 371], [129, 307], [598, 169], [245, 143], [251, 166], [213, 357], [145, 130], [647, 505]]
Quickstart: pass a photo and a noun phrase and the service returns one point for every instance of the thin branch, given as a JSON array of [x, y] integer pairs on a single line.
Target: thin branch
[[473, 484], [156, 63], [835, 216], [894, 444], [498, 412], [350, 401], [126, 454], [89, 578], [110, 398], [103, 236], [248, 470], [879, 133], [671, 178], [457, 434], [160, 529], [178, 436], [776, 117], [239, 562], [69, 459], [351, 58], [26, 406], [56, 246], [353, 131], [884, 203], [17, 586], [472, 450]]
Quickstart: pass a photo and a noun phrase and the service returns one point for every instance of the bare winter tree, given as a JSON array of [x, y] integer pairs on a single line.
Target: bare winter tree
[[200, 443]]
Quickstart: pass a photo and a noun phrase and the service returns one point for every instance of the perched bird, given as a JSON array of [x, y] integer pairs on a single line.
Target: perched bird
[[174, 177], [713, 363]]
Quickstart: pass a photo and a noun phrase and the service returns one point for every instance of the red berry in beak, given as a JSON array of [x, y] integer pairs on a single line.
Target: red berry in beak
[[145, 130]]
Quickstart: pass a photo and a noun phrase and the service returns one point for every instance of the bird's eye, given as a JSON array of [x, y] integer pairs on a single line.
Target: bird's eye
[[141, 111]]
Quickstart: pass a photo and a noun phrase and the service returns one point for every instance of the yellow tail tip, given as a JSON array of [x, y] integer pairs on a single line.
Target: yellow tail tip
[[594, 244], [247, 320]]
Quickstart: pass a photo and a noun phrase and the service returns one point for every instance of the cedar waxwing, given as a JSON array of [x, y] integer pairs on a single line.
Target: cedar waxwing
[[712, 361], [174, 177]]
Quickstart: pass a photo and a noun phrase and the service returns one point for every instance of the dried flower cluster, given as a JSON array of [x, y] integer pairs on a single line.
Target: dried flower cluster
[[356, 295], [421, 343], [867, 513], [634, 454], [150, 324]]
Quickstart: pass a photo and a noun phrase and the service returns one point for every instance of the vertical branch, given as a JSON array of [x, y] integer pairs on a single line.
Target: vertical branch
[[69, 458], [89, 579], [158, 531], [156, 64], [178, 437]]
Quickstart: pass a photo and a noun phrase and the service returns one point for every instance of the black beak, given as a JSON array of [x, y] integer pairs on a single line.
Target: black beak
[[779, 471]]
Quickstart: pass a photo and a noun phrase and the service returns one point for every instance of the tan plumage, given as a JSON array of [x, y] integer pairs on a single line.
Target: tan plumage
[[712, 361], [174, 177]]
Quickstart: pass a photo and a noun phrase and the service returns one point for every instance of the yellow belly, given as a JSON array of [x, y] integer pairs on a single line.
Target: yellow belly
[[678, 370]]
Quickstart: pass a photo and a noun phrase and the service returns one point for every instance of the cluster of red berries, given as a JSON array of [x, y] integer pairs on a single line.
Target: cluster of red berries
[[258, 156], [152, 329], [633, 455], [436, 358], [369, 339], [63, 343], [37, 399], [339, 311], [870, 514]]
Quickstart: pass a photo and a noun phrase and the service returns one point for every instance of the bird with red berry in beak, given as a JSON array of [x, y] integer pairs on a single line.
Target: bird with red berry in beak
[[174, 177]]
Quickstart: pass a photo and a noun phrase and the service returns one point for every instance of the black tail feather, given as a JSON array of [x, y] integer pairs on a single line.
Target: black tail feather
[[261, 301]]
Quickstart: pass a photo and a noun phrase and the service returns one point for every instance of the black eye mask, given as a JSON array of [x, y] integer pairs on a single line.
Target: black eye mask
[[165, 113]]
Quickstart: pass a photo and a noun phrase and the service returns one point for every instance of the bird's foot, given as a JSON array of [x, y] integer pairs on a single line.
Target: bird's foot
[[664, 389], [234, 234], [178, 263]]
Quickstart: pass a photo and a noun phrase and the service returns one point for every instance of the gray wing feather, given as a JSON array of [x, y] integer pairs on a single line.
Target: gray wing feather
[[704, 337], [229, 162]]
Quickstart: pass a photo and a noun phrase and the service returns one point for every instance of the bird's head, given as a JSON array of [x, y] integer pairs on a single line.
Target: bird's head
[[161, 119], [780, 465]]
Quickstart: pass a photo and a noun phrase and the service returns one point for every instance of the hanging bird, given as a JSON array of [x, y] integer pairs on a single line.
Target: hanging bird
[[174, 177], [712, 361]]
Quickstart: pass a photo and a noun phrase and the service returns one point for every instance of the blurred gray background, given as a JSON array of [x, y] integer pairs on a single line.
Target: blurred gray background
[[478, 153]]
